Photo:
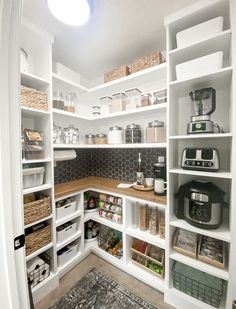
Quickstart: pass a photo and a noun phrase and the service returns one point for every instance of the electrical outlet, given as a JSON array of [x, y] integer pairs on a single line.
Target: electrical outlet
[[161, 159]]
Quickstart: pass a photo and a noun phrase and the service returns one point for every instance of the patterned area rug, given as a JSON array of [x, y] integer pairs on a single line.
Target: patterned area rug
[[97, 291]]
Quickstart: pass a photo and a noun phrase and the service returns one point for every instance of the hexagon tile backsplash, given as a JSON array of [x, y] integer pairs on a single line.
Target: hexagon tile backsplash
[[111, 163]]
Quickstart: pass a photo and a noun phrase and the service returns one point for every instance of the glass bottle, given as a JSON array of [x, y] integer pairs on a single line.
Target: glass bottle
[[140, 174]]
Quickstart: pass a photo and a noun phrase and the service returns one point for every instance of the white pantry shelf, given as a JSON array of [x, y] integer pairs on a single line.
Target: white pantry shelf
[[41, 250], [38, 221], [146, 236], [222, 233], [201, 136], [197, 264], [67, 265], [68, 218], [33, 81], [95, 217], [61, 245], [219, 174], [37, 189], [85, 146], [42, 283], [64, 80], [33, 112]]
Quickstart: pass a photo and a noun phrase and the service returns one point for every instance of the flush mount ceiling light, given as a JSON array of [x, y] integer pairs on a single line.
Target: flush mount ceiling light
[[70, 12]]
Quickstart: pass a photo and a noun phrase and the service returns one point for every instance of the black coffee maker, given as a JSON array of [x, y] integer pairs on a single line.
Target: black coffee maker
[[159, 178]]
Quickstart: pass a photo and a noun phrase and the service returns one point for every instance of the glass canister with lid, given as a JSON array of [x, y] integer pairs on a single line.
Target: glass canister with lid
[[71, 135], [101, 138], [133, 98], [57, 134], [115, 135], [90, 139], [133, 134], [58, 99], [146, 99], [70, 102], [156, 132]]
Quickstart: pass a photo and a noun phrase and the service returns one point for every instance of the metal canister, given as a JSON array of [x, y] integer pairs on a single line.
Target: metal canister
[[133, 134]]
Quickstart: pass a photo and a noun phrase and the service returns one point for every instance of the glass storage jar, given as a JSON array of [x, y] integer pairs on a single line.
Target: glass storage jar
[[58, 99], [101, 138], [89, 139], [133, 98], [153, 220], [105, 105], [118, 103], [71, 135], [115, 135], [143, 217], [70, 102], [133, 134], [57, 134], [146, 99], [156, 132]]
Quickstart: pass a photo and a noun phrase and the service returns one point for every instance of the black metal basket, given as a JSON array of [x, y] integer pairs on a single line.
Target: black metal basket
[[39, 274], [196, 289]]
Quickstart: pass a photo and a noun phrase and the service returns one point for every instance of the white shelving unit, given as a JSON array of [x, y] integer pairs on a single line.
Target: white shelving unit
[[179, 112]]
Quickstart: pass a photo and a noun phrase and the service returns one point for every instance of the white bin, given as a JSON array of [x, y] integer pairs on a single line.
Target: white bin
[[66, 254], [66, 233], [200, 66], [199, 32], [33, 177], [66, 210]]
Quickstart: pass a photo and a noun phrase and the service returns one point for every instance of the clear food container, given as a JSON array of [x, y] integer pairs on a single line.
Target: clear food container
[[115, 135], [70, 102], [105, 105], [156, 132], [57, 134], [118, 103], [143, 217], [133, 98], [133, 134], [71, 135], [58, 99], [160, 96], [146, 99], [101, 138], [33, 145], [90, 139], [153, 220]]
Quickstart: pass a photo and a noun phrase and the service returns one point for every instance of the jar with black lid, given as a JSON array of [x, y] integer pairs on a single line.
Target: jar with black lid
[[133, 134]]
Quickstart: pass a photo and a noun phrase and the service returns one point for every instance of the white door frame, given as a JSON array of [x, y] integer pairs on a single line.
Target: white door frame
[[13, 281]]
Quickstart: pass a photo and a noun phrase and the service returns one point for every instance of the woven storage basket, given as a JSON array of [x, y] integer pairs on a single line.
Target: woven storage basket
[[146, 62], [37, 239], [34, 98], [116, 73], [37, 210]]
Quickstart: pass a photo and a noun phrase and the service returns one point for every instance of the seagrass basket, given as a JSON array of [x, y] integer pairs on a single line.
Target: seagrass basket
[[146, 62], [37, 210], [116, 73], [34, 98], [37, 239]]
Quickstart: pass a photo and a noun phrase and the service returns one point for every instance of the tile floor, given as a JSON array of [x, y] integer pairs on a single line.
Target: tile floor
[[134, 285]]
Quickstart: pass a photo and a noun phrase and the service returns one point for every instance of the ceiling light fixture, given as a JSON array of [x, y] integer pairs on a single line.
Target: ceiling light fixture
[[70, 12]]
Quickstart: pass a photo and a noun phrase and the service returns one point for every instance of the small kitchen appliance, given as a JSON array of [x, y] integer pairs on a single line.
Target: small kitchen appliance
[[200, 159], [205, 103], [200, 203], [159, 178]]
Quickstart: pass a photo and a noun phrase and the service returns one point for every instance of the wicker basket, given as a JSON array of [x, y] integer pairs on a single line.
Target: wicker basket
[[146, 62], [34, 98], [38, 239], [37, 210], [116, 73]]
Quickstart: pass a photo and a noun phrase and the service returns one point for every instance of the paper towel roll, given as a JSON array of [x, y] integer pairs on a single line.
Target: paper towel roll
[[34, 264], [44, 273]]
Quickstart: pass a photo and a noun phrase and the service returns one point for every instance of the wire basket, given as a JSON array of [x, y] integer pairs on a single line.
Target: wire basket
[[195, 288], [40, 273], [110, 241]]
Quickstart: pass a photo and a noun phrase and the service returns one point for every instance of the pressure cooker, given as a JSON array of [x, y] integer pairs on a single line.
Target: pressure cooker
[[201, 204]]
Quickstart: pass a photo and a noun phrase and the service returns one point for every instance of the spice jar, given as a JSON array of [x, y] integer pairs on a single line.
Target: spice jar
[[156, 132], [133, 98], [71, 135], [101, 138], [115, 135], [70, 102], [146, 99], [133, 134], [143, 217], [118, 103], [89, 139], [153, 220], [58, 99]]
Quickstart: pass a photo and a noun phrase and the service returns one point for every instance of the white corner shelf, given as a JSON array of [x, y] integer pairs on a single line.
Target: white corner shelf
[[42, 283], [62, 269], [41, 250], [197, 264], [218, 79], [68, 218], [33, 112], [37, 189], [95, 217], [146, 236], [106, 146], [61, 245], [64, 80], [219, 174], [37, 222], [222, 233], [33, 81], [36, 161], [57, 111], [200, 136]]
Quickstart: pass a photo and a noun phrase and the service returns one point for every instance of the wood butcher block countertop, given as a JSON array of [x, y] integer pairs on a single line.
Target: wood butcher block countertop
[[105, 184]]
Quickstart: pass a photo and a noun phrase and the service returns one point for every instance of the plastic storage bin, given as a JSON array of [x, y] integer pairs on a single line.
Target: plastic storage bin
[[66, 254], [199, 32], [65, 208], [33, 177], [200, 66], [33, 146], [65, 231]]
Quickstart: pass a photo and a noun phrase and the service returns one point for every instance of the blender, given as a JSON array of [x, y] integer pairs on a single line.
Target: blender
[[205, 103]]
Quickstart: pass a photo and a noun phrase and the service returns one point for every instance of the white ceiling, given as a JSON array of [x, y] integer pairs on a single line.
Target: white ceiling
[[118, 32]]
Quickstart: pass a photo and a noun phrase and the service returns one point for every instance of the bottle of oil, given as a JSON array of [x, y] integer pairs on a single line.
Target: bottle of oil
[[140, 174]]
